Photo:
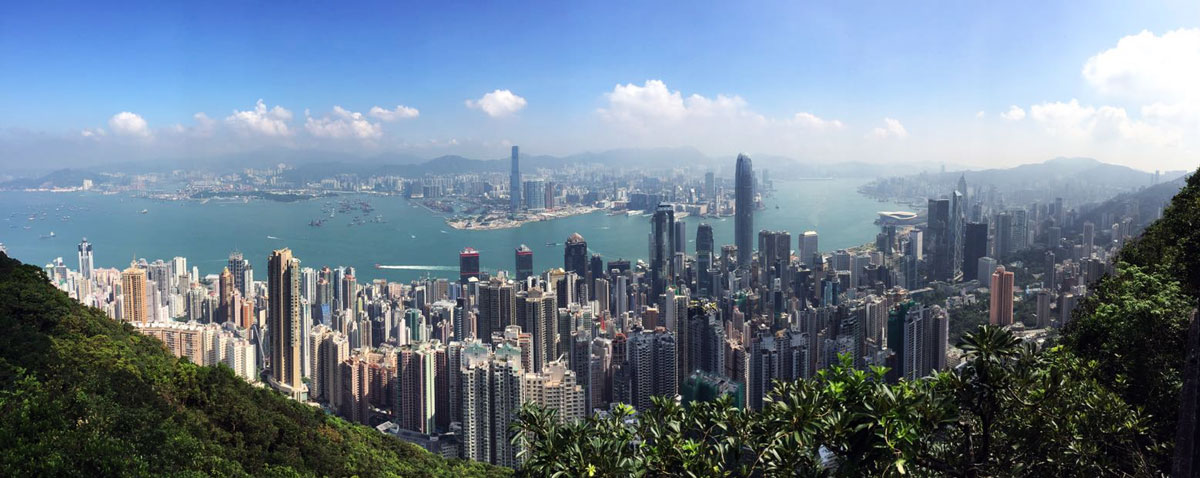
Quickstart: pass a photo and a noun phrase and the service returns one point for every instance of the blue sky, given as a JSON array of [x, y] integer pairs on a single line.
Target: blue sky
[[930, 67]]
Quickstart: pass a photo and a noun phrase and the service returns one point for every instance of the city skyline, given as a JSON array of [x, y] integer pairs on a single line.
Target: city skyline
[[972, 84]]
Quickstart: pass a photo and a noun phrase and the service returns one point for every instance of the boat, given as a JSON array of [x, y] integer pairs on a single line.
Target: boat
[[145, 211], [551, 243]]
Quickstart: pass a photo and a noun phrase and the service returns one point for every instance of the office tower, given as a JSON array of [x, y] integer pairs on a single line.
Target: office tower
[[710, 185], [975, 242], [957, 220], [651, 357], [774, 249], [283, 321], [680, 237], [497, 308], [468, 265], [938, 242], [596, 269], [808, 247], [524, 265], [599, 387], [1020, 230], [743, 228], [926, 332], [133, 295], [556, 387], [704, 259], [1043, 308], [575, 255], [661, 250], [1004, 234], [86, 262], [985, 267], [491, 397], [514, 183], [243, 274], [1089, 239], [535, 194], [349, 292], [226, 297], [1001, 298], [962, 189]]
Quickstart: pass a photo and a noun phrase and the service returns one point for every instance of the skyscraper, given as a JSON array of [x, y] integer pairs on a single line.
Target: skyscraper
[[575, 255], [491, 396], [704, 258], [1004, 236], [1089, 238], [514, 183], [133, 295], [975, 242], [283, 322], [652, 364], [938, 241], [1001, 298], [241, 269], [225, 297], [468, 265], [524, 266], [743, 228], [661, 248], [808, 247], [86, 264], [556, 387]]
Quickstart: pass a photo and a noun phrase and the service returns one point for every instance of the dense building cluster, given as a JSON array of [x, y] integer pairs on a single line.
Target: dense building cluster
[[446, 363]]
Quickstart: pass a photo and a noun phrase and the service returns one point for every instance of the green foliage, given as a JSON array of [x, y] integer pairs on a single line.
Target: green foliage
[[1010, 411], [83, 395]]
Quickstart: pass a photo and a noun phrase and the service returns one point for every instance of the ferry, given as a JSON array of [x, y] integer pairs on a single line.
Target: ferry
[[145, 211]]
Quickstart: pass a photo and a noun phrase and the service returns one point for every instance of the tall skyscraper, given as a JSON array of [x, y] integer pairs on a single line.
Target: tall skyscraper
[[575, 255], [1004, 234], [241, 270], [704, 258], [283, 322], [743, 228], [497, 308], [808, 247], [938, 242], [86, 263], [661, 248], [514, 183], [1089, 238], [524, 266], [975, 242], [926, 333], [1001, 298], [468, 265], [133, 295]]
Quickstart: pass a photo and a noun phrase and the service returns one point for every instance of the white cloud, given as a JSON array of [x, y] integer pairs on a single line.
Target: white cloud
[[401, 112], [261, 121], [1149, 67], [980, 114], [93, 132], [811, 122], [342, 123], [1014, 113], [1073, 121], [129, 124], [498, 103], [891, 129]]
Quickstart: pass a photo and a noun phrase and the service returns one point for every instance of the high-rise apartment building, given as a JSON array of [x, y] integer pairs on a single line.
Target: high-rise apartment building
[[652, 366], [86, 262], [556, 387], [491, 396], [283, 322], [1001, 310], [133, 295], [468, 265]]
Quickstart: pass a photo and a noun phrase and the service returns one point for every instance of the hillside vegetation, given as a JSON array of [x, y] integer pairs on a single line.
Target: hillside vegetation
[[83, 395]]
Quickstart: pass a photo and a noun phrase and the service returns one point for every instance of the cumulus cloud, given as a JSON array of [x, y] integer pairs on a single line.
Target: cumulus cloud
[[1073, 121], [498, 103], [811, 122], [654, 102], [1014, 113], [342, 123], [980, 114], [1149, 67], [401, 112], [261, 121], [892, 128], [128, 124]]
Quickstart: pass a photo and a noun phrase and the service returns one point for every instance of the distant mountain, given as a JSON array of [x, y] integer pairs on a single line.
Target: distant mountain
[[58, 179]]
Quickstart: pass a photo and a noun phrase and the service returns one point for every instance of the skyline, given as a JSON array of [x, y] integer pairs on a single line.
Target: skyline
[[978, 85]]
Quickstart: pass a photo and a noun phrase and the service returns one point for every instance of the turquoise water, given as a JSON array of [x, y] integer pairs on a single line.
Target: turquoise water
[[412, 236]]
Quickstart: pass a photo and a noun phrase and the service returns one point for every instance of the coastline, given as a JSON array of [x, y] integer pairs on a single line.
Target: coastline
[[496, 221]]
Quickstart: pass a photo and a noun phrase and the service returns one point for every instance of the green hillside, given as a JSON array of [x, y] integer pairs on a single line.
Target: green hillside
[[83, 395]]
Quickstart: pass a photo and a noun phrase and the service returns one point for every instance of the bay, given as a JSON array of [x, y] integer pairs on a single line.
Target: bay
[[205, 233]]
